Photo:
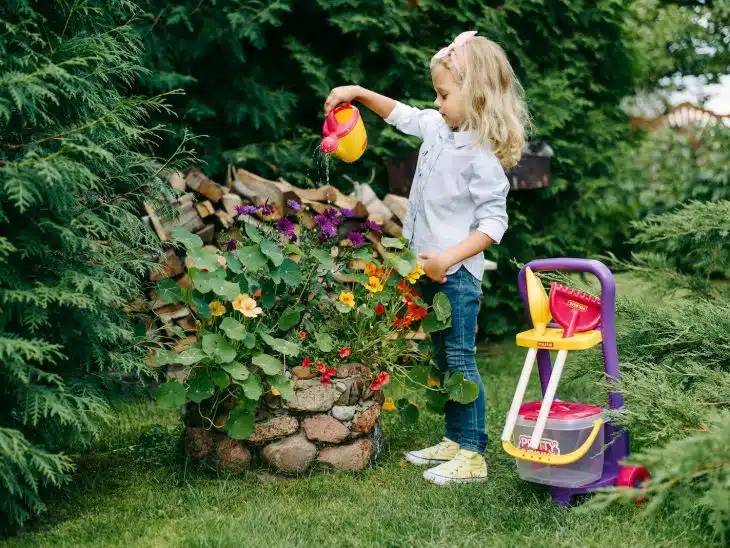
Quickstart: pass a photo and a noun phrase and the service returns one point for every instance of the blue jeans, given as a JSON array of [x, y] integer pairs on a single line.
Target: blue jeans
[[454, 352]]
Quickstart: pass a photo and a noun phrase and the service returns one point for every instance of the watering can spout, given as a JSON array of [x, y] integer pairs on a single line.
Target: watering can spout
[[344, 133]]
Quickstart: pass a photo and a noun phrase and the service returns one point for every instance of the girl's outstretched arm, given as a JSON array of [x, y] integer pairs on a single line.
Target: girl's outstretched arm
[[379, 104]]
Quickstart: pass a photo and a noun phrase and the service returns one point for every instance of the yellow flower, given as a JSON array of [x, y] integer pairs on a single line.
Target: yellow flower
[[371, 269], [348, 299], [217, 308], [389, 405], [222, 261], [374, 285], [415, 274], [275, 391], [247, 306]]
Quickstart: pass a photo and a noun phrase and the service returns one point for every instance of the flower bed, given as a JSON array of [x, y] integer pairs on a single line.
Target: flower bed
[[296, 339]]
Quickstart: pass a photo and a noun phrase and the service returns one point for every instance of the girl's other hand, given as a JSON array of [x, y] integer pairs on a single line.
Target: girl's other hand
[[435, 267], [339, 95]]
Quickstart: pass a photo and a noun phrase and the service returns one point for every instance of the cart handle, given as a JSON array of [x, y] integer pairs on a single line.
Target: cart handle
[[555, 460], [608, 311]]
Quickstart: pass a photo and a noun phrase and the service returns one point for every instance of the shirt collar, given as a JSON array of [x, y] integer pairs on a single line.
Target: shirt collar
[[464, 138]]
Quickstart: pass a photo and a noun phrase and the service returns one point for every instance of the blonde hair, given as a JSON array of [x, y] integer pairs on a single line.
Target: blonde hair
[[494, 98]]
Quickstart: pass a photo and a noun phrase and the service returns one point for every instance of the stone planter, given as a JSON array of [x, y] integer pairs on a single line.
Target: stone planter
[[335, 425]]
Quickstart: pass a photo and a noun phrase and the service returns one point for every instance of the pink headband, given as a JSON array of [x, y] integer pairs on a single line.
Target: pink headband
[[450, 50]]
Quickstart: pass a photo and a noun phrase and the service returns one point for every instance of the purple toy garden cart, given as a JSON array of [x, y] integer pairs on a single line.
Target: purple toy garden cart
[[565, 445]]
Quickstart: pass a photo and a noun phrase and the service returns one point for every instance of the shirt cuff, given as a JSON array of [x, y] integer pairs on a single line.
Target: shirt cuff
[[494, 228]]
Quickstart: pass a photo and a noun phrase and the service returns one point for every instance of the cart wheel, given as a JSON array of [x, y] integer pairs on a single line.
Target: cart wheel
[[632, 476]]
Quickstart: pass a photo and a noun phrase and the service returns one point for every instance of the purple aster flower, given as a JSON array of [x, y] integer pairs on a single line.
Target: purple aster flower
[[356, 239], [327, 230], [285, 226], [331, 213], [231, 245], [296, 206], [371, 226], [347, 213], [246, 209], [266, 209]]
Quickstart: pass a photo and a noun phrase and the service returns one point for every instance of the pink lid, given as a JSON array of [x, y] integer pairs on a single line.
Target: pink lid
[[560, 410]]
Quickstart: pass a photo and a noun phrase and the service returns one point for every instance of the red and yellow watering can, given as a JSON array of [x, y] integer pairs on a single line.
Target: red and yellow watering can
[[344, 133]]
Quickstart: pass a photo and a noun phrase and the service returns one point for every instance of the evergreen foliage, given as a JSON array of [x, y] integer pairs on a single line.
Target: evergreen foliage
[[675, 361], [74, 165], [257, 73]]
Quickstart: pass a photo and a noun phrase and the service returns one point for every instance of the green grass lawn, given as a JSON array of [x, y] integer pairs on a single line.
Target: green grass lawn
[[134, 489]]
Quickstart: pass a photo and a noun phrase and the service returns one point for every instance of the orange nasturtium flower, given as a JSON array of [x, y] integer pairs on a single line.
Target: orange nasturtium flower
[[347, 298], [374, 285], [217, 308], [247, 306]]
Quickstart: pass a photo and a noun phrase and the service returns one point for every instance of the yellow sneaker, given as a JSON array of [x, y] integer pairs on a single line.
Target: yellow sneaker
[[436, 454], [465, 467]]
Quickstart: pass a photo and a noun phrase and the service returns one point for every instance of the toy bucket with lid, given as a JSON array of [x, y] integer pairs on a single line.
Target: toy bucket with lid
[[344, 133], [568, 427]]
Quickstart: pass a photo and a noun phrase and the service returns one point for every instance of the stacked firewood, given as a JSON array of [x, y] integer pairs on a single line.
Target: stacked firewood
[[207, 208]]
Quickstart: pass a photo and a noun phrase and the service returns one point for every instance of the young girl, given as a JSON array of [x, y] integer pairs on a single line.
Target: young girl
[[457, 209]]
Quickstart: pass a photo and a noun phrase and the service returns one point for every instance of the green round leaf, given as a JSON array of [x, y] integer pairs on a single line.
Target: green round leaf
[[268, 364], [343, 308], [289, 318], [171, 394], [249, 341], [253, 233], [252, 387], [251, 258], [205, 282], [200, 302], [284, 386], [324, 258], [461, 390], [363, 254], [233, 329], [325, 342], [393, 243], [272, 251], [290, 273], [205, 259], [168, 291], [234, 264], [281, 346], [227, 290], [236, 370], [218, 348], [409, 413], [190, 241], [240, 423], [442, 307], [191, 355], [200, 386], [220, 379]]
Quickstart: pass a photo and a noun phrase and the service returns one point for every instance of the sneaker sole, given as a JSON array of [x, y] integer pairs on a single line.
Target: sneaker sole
[[415, 459], [443, 480]]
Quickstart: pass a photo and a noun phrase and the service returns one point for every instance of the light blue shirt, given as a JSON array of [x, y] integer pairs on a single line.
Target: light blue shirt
[[459, 187]]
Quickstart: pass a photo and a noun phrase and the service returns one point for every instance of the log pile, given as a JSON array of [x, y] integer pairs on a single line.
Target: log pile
[[208, 209]]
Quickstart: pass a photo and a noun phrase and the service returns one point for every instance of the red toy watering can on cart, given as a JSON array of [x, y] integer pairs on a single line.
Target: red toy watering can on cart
[[344, 133]]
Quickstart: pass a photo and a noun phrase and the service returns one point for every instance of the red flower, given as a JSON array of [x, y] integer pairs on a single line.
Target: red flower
[[258, 293], [407, 291], [401, 321], [321, 367], [416, 312], [307, 362], [327, 375], [303, 335], [380, 310], [345, 351], [381, 380]]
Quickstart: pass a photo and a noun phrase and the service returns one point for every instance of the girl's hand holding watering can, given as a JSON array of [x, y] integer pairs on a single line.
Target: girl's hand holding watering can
[[339, 95]]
